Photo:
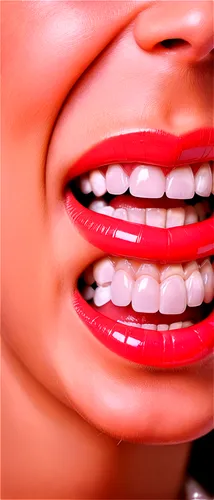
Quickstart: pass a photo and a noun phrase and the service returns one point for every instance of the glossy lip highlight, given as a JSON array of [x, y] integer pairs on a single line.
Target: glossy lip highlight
[[117, 237]]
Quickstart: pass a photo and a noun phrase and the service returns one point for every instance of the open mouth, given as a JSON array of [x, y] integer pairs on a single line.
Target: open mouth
[[146, 200]]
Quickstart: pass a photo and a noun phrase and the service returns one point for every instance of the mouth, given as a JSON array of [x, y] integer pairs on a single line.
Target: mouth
[[145, 199]]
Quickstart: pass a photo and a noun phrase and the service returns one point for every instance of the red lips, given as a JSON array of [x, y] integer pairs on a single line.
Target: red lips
[[118, 237]]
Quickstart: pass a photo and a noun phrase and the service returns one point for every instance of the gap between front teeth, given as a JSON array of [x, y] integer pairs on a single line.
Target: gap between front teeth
[[149, 287], [147, 181], [156, 217]]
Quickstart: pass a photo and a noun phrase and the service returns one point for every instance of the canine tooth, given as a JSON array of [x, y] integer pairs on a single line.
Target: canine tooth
[[102, 295], [175, 217], [189, 268], [88, 293], [120, 213], [147, 182], [103, 271], [186, 324], [121, 288], [88, 276], [162, 327], [106, 211], [96, 205], [145, 295], [84, 184], [117, 181], [207, 278], [98, 182], [175, 326], [180, 183], [171, 270], [149, 326], [191, 216], [203, 180], [137, 215], [149, 270], [172, 296], [195, 289], [156, 217]]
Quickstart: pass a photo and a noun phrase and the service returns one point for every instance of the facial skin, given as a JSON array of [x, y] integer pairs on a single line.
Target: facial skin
[[73, 74]]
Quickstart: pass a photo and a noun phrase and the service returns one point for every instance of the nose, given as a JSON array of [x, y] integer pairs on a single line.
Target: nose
[[183, 28]]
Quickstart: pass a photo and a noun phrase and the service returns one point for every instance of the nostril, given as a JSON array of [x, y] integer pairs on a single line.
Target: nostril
[[174, 44]]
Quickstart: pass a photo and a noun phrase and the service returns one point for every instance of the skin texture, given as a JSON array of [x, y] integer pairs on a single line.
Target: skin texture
[[73, 74]]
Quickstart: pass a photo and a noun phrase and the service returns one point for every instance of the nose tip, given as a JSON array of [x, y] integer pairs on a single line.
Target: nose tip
[[182, 28]]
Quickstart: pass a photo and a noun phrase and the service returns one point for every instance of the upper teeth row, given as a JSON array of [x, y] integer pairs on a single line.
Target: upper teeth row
[[147, 181]]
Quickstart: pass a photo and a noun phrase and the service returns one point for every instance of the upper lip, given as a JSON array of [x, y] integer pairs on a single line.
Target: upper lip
[[153, 147]]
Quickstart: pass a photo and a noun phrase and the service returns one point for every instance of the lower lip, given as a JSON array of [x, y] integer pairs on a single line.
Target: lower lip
[[159, 349], [118, 237]]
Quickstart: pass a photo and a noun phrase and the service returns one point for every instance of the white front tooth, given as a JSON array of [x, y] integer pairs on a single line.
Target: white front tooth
[[175, 217], [96, 205], [149, 326], [147, 182], [191, 216], [88, 293], [106, 211], [137, 215], [121, 288], [189, 268], [121, 213], [207, 278], [84, 184], [156, 217], [171, 270], [175, 326], [180, 183], [102, 295], [162, 327], [195, 289], [103, 271], [145, 295], [117, 181], [172, 296], [98, 182], [203, 180]]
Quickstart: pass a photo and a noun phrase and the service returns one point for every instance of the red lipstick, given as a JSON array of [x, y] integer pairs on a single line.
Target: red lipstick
[[127, 239]]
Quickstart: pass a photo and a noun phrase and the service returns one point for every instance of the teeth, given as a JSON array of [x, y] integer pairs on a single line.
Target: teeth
[[121, 213], [175, 217], [150, 287], [195, 289], [203, 180], [173, 296], [175, 326], [147, 182], [156, 217], [145, 295], [103, 271], [102, 295], [98, 183], [117, 181], [190, 215], [137, 215], [85, 184], [121, 288], [180, 184], [207, 278]]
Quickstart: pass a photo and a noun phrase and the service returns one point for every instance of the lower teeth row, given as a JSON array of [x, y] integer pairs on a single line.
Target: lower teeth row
[[148, 287], [160, 327], [155, 217]]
